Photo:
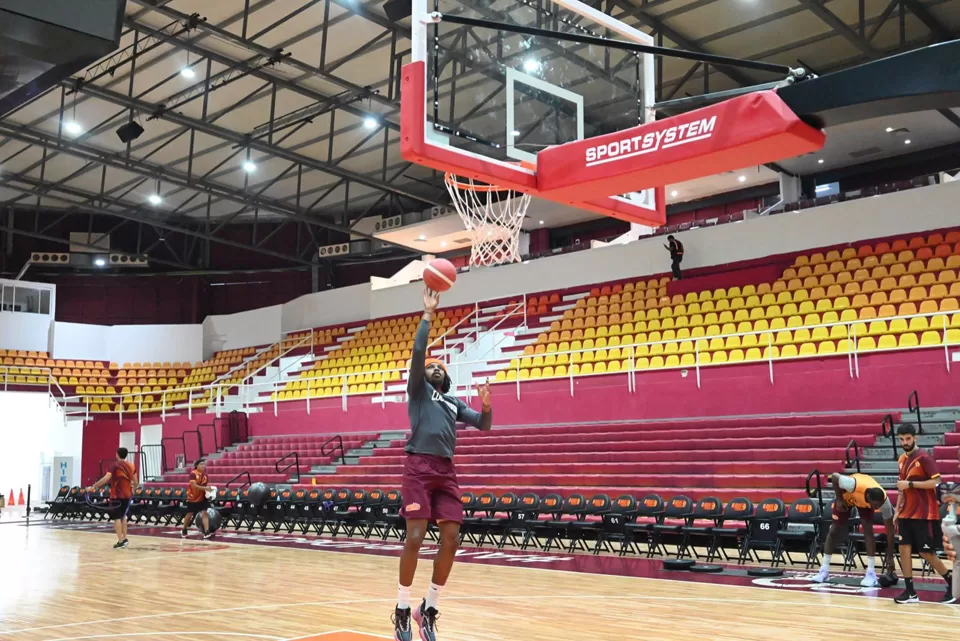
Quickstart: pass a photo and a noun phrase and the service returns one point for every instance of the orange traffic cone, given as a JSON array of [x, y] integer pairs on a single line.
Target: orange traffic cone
[[20, 501], [10, 500]]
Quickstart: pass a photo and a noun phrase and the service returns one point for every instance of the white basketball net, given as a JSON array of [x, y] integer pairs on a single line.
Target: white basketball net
[[493, 217]]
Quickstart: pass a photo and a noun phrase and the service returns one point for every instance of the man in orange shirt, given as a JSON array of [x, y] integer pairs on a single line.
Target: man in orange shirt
[[122, 477], [197, 502], [918, 514], [864, 493]]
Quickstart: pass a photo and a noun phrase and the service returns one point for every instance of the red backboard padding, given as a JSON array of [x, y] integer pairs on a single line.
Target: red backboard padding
[[414, 148], [746, 131]]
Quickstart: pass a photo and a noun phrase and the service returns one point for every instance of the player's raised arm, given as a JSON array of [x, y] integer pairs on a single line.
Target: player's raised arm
[[417, 360], [483, 420]]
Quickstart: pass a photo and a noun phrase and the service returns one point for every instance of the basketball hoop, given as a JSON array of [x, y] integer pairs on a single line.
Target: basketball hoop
[[493, 217]]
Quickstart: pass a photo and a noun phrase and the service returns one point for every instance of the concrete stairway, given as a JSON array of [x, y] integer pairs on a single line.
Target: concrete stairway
[[880, 460]]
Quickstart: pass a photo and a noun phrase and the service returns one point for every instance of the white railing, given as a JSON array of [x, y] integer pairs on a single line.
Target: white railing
[[697, 347]]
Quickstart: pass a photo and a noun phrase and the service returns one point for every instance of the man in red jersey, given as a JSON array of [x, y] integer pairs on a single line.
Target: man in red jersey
[[918, 514], [122, 477]]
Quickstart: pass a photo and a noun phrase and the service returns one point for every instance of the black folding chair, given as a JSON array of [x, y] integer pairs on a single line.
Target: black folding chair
[[588, 529], [571, 511], [522, 522], [676, 514], [494, 526], [649, 513], [762, 531], [706, 516], [800, 532], [622, 512], [729, 532]]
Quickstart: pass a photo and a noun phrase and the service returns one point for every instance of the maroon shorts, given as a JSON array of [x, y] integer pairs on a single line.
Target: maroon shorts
[[842, 516], [430, 489]]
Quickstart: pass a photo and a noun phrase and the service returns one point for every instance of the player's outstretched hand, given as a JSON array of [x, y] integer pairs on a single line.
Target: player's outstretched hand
[[483, 391], [430, 300]]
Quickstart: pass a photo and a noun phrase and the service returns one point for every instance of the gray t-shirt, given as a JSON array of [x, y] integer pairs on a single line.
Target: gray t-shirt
[[849, 484], [433, 416]]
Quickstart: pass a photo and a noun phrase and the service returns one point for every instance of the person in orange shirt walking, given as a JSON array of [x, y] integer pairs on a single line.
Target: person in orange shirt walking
[[918, 514], [197, 502], [122, 477]]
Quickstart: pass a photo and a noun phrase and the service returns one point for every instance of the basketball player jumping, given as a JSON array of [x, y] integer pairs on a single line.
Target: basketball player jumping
[[430, 489], [122, 477], [864, 493]]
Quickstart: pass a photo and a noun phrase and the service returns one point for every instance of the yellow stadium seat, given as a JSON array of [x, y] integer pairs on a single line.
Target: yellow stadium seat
[[826, 347], [887, 341], [907, 340], [931, 338], [877, 328], [788, 351], [808, 349], [897, 326]]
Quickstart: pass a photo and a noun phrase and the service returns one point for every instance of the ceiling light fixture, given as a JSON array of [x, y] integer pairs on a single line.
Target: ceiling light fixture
[[73, 128], [249, 166], [99, 262], [188, 73], [742, 179], [889, 130], [820, 162], [370, 122], [674, 193], [907, 141], [154, 199], [531, 66]]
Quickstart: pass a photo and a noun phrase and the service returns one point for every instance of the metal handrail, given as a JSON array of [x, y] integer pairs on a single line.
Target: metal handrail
[[913, 405], [848, 461], [817, 492], [241, 474], [337, 442], [887, 429], [295, 463], [516, 308], [280, 355], [632, 353]]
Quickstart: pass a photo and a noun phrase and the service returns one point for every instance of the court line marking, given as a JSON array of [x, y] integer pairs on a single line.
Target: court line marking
[[168, 634], [686, 599]]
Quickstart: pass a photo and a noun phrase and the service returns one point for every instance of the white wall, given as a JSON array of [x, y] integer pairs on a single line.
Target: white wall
[[33, 430], [80, 341], [245, 329], [30, 332], [333, 307], [155, 343], [128, 343]]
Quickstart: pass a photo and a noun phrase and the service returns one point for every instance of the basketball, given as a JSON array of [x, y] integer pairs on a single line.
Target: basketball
[[440, 275]]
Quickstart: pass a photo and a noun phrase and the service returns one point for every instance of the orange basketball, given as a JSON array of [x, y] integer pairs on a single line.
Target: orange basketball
[[440, 275]]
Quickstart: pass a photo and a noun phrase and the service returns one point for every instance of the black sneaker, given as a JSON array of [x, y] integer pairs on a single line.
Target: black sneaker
[[426, 618], [908, 596], [184, 534], [401, 625], [948, 598], [119, 545]]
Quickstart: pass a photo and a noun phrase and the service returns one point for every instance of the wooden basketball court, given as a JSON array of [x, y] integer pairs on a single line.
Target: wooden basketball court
[[70, 585]]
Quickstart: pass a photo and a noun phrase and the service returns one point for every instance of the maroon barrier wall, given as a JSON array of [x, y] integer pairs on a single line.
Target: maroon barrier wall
[[817, 385]]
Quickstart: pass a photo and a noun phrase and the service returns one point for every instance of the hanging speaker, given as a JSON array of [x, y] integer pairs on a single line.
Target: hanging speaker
[[397, 10]]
